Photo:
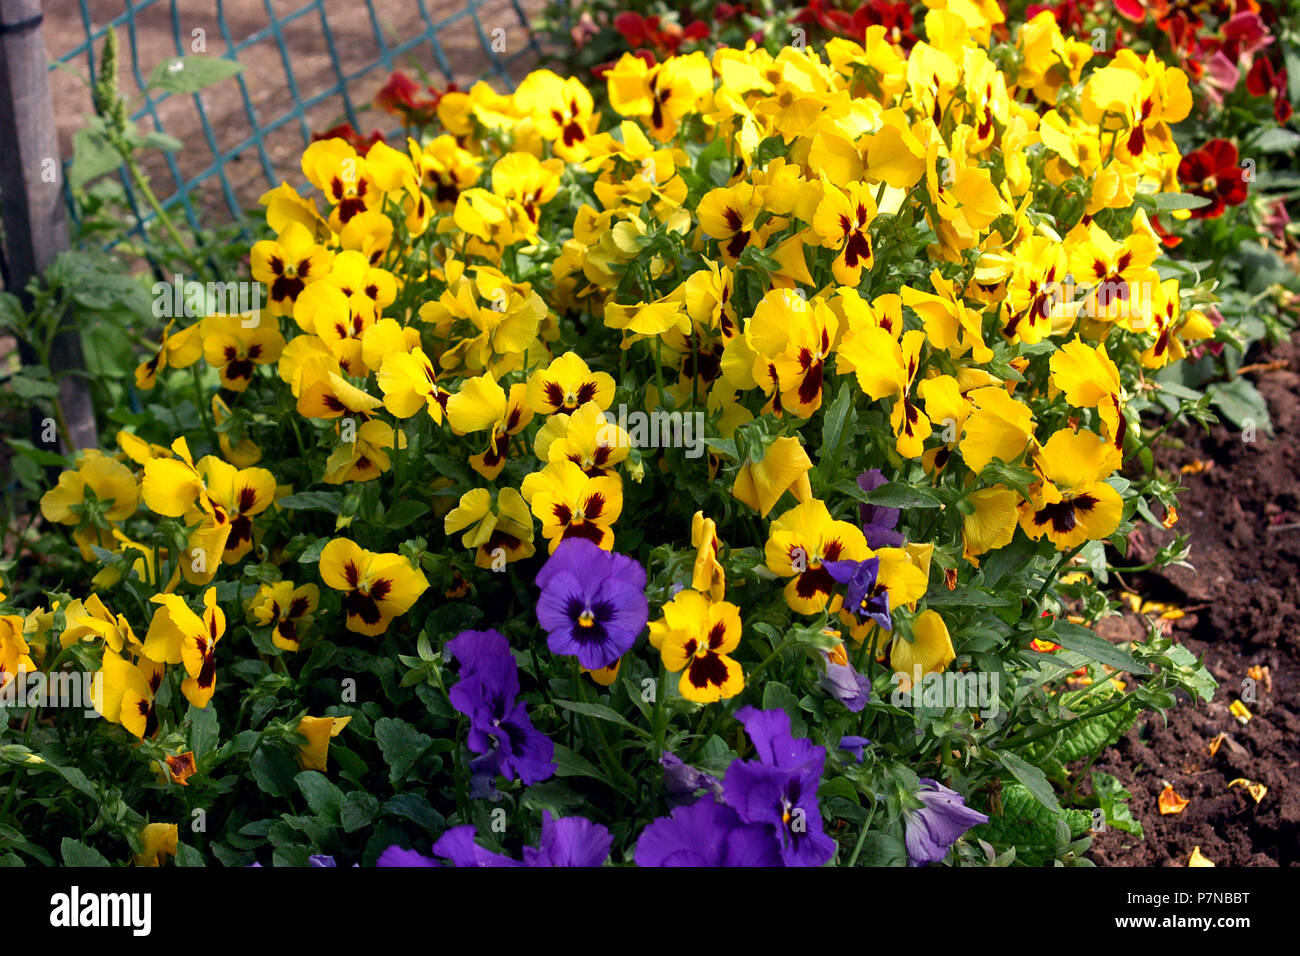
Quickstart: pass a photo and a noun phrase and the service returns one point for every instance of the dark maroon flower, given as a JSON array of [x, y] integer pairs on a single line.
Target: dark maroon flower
[[1263, 79], [1212, 171]]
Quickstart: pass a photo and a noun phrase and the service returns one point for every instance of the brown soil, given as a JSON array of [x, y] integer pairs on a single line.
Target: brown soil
[[1243, 514]]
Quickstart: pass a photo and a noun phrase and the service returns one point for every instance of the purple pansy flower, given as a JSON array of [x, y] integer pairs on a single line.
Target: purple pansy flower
[[878, 522], [566, 841], [321, 860], [779, 790], [593, 603], [865, 597], [499, 728], [569, 841], [932, 829], [681, 779], [396, 856], [854, 745], [705, 833], [845, 684]]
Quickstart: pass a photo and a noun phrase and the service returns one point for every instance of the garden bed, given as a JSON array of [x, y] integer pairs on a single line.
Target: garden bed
[[1242, 605]]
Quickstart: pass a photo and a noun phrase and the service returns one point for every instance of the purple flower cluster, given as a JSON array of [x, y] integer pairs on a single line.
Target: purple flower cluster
[[769, 815], [932, 829], [499, 729], [593, 603], [567, 841]]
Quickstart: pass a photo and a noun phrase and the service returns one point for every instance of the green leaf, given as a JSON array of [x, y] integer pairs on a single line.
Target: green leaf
[[273, 770], [1113, 800], [311, 553], [1241, 404], [1167, 201], [358, 811], [966, 597], [416, 808], [553, 795], [27, 387], [12, 315], [1277, 140], [1029, 826], [572, 764], [189, 74], [1091, 736], [402, 746], [726, 447], [569, 763], [204, 731], [601, 712], [881, 849], [1077, 638], [835, 423], [777, 696], [896, 494], [92, 156], [1190, 672], [189, 856], [76, 853], [160, 140], [330, 501], [1033, 779], [403, 513], [323, 797]]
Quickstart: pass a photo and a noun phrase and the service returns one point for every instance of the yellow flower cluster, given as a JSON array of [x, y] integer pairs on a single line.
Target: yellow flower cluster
[[753, 224]]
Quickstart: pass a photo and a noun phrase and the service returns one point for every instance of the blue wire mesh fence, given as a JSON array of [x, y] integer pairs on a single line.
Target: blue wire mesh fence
[[307, 67]]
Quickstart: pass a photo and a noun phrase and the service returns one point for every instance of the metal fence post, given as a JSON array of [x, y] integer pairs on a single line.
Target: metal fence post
[[35, 222]]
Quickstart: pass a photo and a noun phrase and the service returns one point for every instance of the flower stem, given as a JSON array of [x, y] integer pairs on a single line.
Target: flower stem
[[862, 837]]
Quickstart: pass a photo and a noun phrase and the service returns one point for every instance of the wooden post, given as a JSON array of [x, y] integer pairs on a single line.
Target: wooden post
[[35, 221]]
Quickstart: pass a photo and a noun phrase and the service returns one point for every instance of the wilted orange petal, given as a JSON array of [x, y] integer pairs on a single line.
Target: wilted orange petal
[[182, 767], [1257, 791], [1171, 802]]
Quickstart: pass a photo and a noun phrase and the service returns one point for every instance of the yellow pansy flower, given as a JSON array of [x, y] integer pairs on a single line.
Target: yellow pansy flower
[[376, 587], [696, 636]]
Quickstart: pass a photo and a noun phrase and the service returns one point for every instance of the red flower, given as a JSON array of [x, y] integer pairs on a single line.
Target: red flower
[[636, 29], [1068, 15], [344, 131], [402, 96], [1134, 10], [1263, 79], [1167, 239], [896, 18], [1244, 35], [1212, 172], [666, 38]]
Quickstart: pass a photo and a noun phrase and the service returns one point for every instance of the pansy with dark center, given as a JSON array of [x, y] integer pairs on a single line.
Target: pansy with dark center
[[593, 603], [779, 789], [487, 693], [866, 598]]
